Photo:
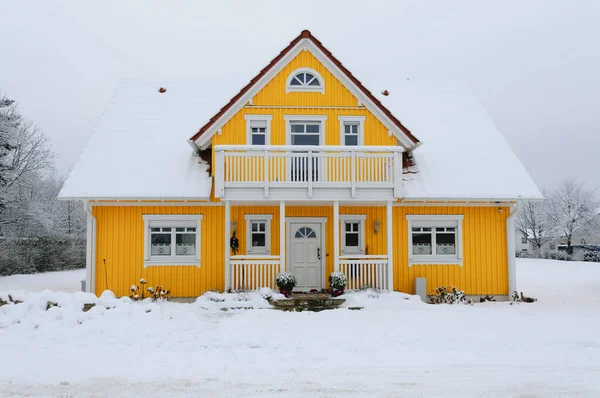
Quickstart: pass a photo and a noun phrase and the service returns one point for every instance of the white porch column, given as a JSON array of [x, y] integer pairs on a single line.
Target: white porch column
[[282, 257], [336, 235], [227, 249], [90, 247], [389, 222], [510, 246]]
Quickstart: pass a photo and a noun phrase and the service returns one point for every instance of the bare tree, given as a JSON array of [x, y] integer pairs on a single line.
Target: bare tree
[[533, 222], [570, 207]]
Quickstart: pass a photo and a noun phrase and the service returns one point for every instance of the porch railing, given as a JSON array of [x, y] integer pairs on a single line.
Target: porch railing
[[365, 271], [253, 272], [308, 167]]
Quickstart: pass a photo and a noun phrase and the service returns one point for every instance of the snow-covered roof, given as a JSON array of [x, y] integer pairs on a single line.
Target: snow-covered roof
[[139, 148], [462, 155]]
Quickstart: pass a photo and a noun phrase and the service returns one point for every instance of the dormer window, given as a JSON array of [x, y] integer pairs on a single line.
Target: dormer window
[[305, 80]]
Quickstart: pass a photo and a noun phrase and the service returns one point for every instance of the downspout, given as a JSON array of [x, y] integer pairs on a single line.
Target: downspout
[[90, 255], [510, 247]]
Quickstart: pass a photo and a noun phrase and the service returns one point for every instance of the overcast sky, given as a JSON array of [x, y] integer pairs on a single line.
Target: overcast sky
[[534, 65]]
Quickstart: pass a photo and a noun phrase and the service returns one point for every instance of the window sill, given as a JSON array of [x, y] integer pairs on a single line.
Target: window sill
[[350, 254], [186, 263], [305, 90], [435, 262]]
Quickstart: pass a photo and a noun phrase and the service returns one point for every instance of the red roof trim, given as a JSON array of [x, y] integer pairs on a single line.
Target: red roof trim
[[305, 35]]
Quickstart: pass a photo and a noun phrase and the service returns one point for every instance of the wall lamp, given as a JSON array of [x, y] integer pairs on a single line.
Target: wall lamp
[[377, 225]]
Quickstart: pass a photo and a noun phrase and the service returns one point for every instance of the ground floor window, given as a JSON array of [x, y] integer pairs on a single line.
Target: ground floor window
[[258, 233], [353, 233], [435, 239], [172, 239]]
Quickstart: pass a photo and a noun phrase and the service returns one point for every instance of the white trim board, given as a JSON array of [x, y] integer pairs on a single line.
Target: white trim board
[[304, 44], [250, 249], [432, 220], [261, 118], [289, 119], [165, 204], [361, 128], [360, 218], [305, 89], [173, 220]]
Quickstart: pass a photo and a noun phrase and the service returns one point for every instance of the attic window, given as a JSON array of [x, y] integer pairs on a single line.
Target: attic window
[[305, 79]]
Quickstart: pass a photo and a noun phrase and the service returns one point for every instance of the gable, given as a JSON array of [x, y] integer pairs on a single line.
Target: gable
[[274, 101], [304, 42], [274, 93]]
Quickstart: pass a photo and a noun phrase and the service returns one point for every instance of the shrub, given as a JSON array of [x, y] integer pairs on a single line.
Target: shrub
[[285, 281], [338, 280], [45, 254], [448, 295], [591, 255], [516, 298], [561, 255], [157, 293]]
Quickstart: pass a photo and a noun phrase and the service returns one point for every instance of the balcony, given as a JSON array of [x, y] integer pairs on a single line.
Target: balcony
[[244, 172]]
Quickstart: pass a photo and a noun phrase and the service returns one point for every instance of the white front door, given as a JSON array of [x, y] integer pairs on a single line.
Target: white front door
[[306, 255]]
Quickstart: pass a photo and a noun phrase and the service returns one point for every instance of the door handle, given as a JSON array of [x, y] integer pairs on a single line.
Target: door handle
[[319, 253]]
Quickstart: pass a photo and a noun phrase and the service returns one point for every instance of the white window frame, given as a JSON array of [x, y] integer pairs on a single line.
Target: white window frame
[[420, 220], [173, 221], [262, 118], [289, 119], [251, 250], [352, 119], [306, 89], [353, 218]]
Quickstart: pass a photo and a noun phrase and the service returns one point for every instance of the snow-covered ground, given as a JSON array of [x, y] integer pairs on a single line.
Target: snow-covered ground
[[64, 281], [395, 346]]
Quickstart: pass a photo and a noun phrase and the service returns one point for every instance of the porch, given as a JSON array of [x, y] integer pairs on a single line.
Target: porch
[[309, 242], [286, 172]]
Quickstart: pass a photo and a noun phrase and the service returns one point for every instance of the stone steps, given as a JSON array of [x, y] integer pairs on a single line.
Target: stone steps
[[307, 302]]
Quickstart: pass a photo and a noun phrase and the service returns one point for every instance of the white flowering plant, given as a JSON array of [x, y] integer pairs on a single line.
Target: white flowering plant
[[285, 281], [338, 281]]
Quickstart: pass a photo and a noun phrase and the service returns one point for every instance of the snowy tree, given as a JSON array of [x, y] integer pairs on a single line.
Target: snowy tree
[[9, 121], [25, 158], [41, 233], [571, 207], [534, 222]]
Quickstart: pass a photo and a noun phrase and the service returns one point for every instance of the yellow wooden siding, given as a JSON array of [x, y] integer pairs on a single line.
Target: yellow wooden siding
[[234, 131], [274, 92], [485, 263], [374, 242], [337, 101], [120, 251]]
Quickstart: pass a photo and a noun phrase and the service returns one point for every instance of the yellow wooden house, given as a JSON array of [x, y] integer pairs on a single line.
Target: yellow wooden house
[[309, 172]]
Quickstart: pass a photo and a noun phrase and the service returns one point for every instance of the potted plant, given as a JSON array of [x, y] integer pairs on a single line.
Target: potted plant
[[286, 282], [338, 282]]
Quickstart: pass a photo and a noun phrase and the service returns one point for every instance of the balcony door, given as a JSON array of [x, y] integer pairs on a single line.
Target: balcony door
[[304, 133]]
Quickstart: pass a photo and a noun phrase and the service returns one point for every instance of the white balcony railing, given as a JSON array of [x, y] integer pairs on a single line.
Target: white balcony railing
[[252, 272], [309, 167], [365, 271]]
